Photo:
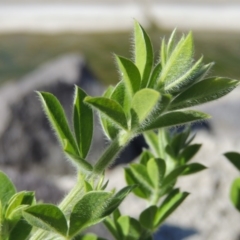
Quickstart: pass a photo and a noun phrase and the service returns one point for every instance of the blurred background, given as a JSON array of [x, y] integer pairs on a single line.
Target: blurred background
[[53, 44]]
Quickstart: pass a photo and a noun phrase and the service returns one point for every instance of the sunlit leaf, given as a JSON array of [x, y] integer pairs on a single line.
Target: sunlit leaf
[[176, 118], [109, 108], [130, 74], [204, 91], [48, 217], [143, 104], [235, 193], [143, 53], [7, 189]]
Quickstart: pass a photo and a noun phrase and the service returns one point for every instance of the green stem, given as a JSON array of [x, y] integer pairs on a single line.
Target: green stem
[[111, 152], [77, 192]]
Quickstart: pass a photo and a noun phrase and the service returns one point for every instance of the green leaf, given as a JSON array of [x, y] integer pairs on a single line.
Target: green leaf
[[204, 91], [193, 168], [143, 104], [171, 178], [188, 153], [154, 76], [156, 169], [123, 225], [121, 95], [110, 225], [172, 201], [186, 79], [83, 122], [148, 216], [182, 53], [110, 130], [88, 211], [116, 200], [151, 139], [7, 189], [145, 157], [143, 53], [109, 108], [176, 118], [235, 193], [171, 43], [20, 231], [16, 214], [130, 74], [234, 158], [20, 198], [128, 228], [140, 191], [87, 186], [57, 118], [163, 52], [48, 217], [140, 173], [88, 236]]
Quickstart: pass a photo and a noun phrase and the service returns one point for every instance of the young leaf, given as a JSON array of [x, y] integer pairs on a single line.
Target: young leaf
[[20, 231], [110, 225], [123, 225], [193, 168], [234, 158], [145, 157], [140, 173], [57, 118], [116, 200], [128, 228], [155, 75], [175, 118], [148, 216], [140, 191], [172, 201], [143, 104], [110, 130], [204, 91], [48, 217], [171, 178], [20, 198], [151, 139], [182, 54], [143, 53], [156, 169], [188, 153], [88, 211], [110, 108], [130, 74], [185, 79], [7, 189], [88, 236], [121, 95], [163, 52], [235, 193], [83, 122]]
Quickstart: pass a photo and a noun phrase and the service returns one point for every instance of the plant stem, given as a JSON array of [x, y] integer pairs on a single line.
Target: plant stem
[[77, 192], [111, 152]]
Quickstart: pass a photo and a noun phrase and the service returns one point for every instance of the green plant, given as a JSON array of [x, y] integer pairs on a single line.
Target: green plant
[[148, 98], [234, 158]]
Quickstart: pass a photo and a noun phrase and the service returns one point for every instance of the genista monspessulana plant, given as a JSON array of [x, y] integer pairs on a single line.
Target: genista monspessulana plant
[[148, 98]]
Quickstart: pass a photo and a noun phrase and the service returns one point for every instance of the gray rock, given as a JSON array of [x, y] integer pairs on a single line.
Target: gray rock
[[27, 143]]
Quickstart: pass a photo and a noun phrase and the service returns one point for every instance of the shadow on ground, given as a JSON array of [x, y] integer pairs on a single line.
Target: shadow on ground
[[171, 232]]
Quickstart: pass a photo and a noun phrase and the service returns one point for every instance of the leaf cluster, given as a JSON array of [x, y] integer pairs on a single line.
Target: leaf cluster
[[12, 205]]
